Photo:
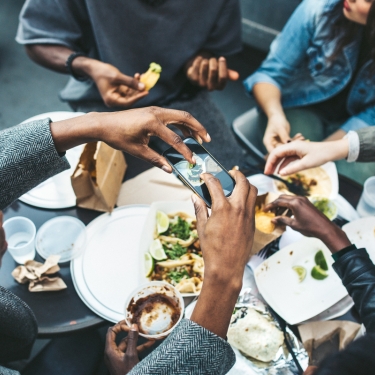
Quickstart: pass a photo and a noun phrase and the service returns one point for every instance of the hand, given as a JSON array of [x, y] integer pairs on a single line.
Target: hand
[[116, 89], [226, 238], [209, 72], [310, 370], [122, 358], [3, 243], [130, 131], [301, 155], [277, 132], [309, 221]]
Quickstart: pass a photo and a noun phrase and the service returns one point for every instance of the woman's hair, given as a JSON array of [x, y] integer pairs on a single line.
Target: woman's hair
[[344, 30]]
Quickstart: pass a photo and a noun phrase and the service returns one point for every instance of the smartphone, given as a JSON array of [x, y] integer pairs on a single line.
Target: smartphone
[[205, 163]]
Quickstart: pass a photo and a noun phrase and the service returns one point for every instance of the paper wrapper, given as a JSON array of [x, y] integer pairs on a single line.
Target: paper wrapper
[[97, 179], [35, 274], [322, 339], [262, 239], [152, 186]]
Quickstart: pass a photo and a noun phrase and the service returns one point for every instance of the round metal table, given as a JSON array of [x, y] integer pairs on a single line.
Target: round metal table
[[63, 312]]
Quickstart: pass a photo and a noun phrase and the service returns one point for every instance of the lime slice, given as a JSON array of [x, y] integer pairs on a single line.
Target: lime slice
[[149, 264], [301, 272], [157, 251], [162, 221], [318, 273], [320, 260]]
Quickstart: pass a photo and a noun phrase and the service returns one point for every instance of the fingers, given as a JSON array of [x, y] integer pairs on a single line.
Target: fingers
[[233, 75], [291, 165], [215, 189], [183, 119], [241, 189], [152, 157], [223, 73], [283, 220], [277, 155], [212, 74], [203, 73], [193, 71], [110, 341], [132, 339], [145, 346], [123, 100], [201, 213], [131, 82]]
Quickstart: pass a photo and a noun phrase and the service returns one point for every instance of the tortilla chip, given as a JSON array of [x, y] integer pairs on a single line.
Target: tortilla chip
[[263, 221]]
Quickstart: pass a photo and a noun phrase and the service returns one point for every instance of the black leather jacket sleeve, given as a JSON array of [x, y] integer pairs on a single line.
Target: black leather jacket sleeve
[[357, 273]]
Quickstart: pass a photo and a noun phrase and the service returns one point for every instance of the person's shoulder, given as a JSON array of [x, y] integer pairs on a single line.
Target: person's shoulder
[[319, 7]]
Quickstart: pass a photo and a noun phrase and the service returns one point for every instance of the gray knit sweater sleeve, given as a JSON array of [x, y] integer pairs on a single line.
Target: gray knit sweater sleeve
[[27, 157], [189, 350], [366, 144], [7, 371]]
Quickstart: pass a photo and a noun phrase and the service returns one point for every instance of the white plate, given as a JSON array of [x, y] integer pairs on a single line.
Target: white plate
[[150, 224], [263, 183], [361, 232], [331, 170], [109, 268], [294, 301], [57, 191]]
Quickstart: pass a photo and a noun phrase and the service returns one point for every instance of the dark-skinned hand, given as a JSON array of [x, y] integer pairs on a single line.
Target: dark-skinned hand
[[209, 72], [309, 221], [120, 359]]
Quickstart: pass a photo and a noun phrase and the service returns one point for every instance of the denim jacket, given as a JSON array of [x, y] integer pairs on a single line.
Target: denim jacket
[[298, 65]]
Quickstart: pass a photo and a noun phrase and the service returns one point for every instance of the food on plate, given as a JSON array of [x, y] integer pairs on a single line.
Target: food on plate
[[326, 206], [176, 253], [263, 221], [255, 336], [301, 272], [320, 260], [151, 76], [315, 181], [149, 264], [318, 273]]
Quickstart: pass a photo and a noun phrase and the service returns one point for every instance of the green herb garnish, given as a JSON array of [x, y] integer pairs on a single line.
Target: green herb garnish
[[175, 252], [181, 229], [177, 276]]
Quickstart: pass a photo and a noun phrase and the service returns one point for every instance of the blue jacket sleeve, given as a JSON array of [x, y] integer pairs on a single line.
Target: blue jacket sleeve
[[190, 350], [27, 157], [361, 120], [283, 59], [357, 273]]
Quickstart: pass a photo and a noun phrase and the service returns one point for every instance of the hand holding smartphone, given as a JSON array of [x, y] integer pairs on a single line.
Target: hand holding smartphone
[[189, 174]]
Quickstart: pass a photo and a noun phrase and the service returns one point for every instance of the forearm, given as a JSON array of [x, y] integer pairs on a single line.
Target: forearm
[[334, 238], [216, 302], [268, 96]]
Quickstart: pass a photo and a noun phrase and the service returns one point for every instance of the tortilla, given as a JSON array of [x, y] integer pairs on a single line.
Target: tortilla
[[263, 221], [317, 179], [256, 336]]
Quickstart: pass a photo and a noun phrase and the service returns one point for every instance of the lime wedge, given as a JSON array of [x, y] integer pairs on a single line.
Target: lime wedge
[[318, 273], [320, 260], [157, 251], [162, 221], [301, 272], [149, 264]]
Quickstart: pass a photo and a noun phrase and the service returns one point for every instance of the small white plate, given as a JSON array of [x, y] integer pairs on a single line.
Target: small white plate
[[361, 232], [57, 191], [278, 282], [109, 268], [150, 224]]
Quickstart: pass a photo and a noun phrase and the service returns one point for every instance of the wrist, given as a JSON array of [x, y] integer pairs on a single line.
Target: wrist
[[218, 278], [335, 238], [85, 66]]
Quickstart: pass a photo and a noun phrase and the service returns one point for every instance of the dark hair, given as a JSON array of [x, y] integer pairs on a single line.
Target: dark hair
[[344, 30], [357, 359]]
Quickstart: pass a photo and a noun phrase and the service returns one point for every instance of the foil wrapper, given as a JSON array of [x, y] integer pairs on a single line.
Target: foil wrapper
[[283, 363]]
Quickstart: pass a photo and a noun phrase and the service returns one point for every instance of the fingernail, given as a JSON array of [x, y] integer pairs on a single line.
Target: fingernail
[[208, 137], [199, 139], [289, 140], [141, 86], [193, 198], [193, 159], [166, 168]]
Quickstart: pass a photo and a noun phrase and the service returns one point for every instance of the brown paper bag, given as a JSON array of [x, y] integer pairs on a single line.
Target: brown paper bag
[[262, 239], [97, 179]]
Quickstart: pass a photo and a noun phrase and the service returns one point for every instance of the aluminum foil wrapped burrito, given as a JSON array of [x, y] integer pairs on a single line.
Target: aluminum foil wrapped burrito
[[258, 341]]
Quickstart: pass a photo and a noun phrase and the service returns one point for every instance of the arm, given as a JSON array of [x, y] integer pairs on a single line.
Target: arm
[[355, 268], [366, 144], [29, 153]]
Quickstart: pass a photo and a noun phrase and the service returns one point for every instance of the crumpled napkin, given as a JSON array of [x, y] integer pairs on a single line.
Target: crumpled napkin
[[35, 274]]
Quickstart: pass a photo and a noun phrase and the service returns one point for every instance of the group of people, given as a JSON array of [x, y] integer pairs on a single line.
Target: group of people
[[316, 84]]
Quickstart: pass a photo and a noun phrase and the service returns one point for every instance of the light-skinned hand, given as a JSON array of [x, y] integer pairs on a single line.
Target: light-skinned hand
[[120, 359]]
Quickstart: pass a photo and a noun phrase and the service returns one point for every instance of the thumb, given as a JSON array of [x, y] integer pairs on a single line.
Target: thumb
[[233, 75], [131, 82], [291, 166], [284, 135], [200, 212], [283, 220]]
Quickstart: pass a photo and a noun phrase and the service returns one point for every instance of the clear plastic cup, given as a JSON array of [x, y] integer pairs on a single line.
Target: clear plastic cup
[[156, 321], [20, 235], [366, 204]]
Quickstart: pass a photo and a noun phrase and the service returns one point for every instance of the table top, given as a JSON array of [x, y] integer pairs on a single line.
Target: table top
[[62, 312]]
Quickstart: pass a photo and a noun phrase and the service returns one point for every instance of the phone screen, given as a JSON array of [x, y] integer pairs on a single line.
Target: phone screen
[[205, 163]]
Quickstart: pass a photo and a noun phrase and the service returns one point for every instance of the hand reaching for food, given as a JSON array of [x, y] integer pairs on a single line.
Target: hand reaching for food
[[300, 155], [3, 243], [277, 132], [309, 221], [209, 72], [120, 359]]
